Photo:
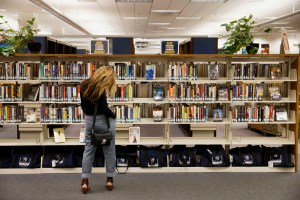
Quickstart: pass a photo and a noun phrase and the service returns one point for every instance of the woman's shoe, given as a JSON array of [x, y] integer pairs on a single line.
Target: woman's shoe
[[109, 183], [85, 185]]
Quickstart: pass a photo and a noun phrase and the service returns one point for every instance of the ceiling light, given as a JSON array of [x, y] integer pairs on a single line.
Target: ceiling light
[[165, 11], [175, 28], [134, 1], [3, 10], [156, 31], [86, 1], [188, 17], [208, 1], [132, 18], [280, 22], [160, 24], [283, 27]]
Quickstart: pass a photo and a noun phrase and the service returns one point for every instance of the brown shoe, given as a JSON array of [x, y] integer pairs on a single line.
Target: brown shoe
[[85, 185], [109, 183]]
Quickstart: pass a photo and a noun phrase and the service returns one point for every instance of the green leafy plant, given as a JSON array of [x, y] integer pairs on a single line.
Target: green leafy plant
[[13, 41], [241, 34]]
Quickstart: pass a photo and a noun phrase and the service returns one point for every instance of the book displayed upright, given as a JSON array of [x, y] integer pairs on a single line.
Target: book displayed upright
[[59, 135], [150, 71], [213, 71], [134, 135]]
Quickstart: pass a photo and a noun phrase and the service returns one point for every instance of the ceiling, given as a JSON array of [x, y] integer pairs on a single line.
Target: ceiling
[[79, 21]]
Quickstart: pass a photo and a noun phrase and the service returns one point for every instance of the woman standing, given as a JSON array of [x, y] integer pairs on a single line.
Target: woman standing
[[95, 90]]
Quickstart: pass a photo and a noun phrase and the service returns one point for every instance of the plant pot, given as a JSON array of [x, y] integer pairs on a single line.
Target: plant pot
[[252, 48], [34, 47]]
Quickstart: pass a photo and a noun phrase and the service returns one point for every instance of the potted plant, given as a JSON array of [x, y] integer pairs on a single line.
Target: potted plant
[[241, 35], [14, 41]]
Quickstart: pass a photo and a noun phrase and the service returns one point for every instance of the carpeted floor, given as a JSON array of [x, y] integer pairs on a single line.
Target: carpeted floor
[[131, 186]]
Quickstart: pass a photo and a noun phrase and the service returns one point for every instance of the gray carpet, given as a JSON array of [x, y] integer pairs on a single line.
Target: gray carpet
[[203, 186]]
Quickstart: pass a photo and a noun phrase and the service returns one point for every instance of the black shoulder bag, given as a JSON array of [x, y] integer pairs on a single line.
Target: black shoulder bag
[[100, 138]]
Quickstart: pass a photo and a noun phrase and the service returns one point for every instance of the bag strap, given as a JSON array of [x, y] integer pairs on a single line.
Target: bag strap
[[94, 117]]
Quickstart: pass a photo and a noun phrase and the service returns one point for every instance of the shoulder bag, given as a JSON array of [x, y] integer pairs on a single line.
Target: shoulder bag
[[100, 138]]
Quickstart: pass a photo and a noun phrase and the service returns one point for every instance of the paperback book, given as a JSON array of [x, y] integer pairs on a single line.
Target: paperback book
[[59, 135], [281, 114], [134, 134]]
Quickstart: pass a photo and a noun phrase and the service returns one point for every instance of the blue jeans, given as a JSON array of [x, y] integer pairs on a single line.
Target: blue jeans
[[89, 150]]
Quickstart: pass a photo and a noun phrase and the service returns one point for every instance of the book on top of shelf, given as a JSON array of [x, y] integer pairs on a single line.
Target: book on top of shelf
[[158, 92], [59, 135], [150, 71], [218, 115], [134, 134], [31, 115], [213, 71], [276, 72]]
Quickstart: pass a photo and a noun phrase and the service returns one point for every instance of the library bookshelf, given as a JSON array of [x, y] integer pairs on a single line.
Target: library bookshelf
[[164, 132]]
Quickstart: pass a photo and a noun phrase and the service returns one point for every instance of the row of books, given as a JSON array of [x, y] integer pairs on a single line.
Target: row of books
[[11, 92], [66, 71], [124, 71], [11, 114], [192, 113], [247, 92], [124, 93], [244, 71], [258, 113], [127, 114], [197, 92], [16, 70], [184, 71], [68, 114], [62, 92]]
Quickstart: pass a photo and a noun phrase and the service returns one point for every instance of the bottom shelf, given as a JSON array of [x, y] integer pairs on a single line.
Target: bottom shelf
[[149, 170]]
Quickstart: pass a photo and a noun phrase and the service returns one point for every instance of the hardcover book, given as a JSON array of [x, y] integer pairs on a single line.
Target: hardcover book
[[150, 72], [134, 134], [223, 93], [59, 135], [213, 71], [218, 115], [276, 72], [158, 92], [82, 135], [31, 115]]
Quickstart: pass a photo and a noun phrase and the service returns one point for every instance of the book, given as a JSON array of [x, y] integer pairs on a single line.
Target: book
[[82, 135], [33, 92], [157, 114], [158, 92], [274, 93], [213, 71], [281, 114], [276, 72], [59, 135], [223, 93], [218, 115], [150, 71], [134, 134], [31, 115]]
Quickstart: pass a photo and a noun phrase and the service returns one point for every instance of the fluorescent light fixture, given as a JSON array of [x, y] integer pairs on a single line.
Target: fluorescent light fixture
[[188, 17], [165, 11], [156, 31], [159, 24], [3, 10], [208, 1], [176, 28], [280, 27], [138, 18], [134, 1], [87, 1], [280, 22]]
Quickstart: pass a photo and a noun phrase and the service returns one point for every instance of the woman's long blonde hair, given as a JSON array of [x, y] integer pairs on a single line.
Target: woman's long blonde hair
[[103, 80]]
